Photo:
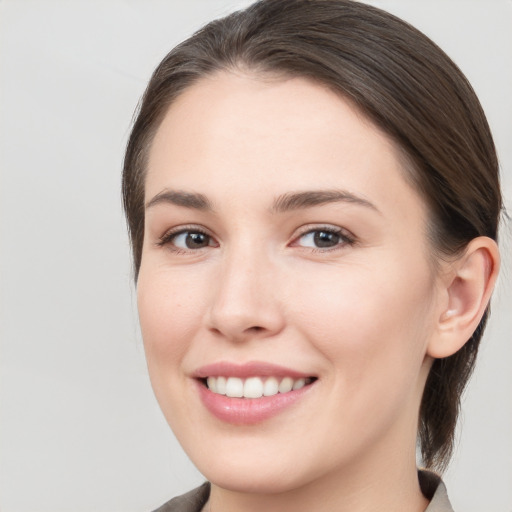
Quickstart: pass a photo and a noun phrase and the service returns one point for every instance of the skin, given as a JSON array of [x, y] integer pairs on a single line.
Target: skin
[[361, 315]]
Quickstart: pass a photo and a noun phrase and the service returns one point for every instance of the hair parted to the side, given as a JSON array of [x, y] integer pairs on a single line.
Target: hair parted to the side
[[402, 82]]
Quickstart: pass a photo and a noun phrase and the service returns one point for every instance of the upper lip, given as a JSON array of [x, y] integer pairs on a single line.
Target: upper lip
[[245, 370]]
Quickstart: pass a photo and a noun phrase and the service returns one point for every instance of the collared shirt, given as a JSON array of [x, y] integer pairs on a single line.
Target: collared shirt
[[434, 490], [431, 486]]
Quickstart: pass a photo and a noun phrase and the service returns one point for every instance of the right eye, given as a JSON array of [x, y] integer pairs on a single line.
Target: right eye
[[187, 240], [191, 240]]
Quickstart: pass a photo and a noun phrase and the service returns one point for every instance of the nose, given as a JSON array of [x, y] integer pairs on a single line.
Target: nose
[[245, 303]]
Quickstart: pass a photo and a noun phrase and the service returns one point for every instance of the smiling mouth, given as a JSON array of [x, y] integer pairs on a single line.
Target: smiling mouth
[[255, 387]]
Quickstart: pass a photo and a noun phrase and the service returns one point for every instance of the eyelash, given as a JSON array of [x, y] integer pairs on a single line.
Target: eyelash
[[167, 238], [346, 239]]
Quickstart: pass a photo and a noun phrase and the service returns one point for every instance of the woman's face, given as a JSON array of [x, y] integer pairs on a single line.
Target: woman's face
[[283, 248]]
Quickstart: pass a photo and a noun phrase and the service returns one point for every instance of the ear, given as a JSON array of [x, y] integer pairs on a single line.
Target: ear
[[466, 291]]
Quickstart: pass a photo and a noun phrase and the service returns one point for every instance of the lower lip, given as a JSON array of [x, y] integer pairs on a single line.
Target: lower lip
[[247, 411]]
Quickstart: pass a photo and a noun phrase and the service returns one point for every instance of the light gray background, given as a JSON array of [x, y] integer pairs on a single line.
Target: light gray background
[[80, 429]]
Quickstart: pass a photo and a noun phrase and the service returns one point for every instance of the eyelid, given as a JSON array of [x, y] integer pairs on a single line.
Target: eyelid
[[170, 234], [307, 228], [348, 238]]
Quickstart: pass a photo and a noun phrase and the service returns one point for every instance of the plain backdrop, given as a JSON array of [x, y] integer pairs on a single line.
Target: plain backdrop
[[80, 429]]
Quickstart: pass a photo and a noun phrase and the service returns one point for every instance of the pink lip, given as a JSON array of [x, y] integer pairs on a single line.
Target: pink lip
[[243, 371], [247, 411]]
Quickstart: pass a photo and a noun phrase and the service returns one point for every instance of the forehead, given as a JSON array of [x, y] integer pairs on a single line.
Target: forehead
[[231, 132]]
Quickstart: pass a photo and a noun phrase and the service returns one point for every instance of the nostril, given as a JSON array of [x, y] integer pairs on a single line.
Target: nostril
[[255, 328]]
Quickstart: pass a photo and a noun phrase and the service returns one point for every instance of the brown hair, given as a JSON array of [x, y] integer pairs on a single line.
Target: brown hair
[[402, 82]]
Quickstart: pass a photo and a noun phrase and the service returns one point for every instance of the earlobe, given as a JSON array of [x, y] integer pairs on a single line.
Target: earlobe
[[467, 291]]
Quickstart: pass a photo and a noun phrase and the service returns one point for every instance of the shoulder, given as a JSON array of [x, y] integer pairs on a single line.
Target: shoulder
[[192, 501]]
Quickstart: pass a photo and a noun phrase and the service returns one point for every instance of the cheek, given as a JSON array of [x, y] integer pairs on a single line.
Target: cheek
[[169, 317], [169, 312], [371, 326]]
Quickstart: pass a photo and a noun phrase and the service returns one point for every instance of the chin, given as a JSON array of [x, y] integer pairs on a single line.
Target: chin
[[273, 470], [248, 480]]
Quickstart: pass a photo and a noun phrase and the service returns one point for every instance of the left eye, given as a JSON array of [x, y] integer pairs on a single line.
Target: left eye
[[321, 239]]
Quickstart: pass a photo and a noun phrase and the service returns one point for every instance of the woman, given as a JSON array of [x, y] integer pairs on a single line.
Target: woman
[[312, 195]]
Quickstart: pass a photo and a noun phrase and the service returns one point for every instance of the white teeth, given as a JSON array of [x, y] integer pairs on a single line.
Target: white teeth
[[253, 387], [299, 383], [271, 387], [286, 385], [221, 385], [234, 387], [212, 384]]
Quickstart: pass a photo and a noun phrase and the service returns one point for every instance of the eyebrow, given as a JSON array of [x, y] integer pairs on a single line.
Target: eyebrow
[[284, 203], [181, 198], [308, 199]]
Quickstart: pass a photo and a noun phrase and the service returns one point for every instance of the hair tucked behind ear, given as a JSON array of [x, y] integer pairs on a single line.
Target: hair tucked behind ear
[[402, 82]]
